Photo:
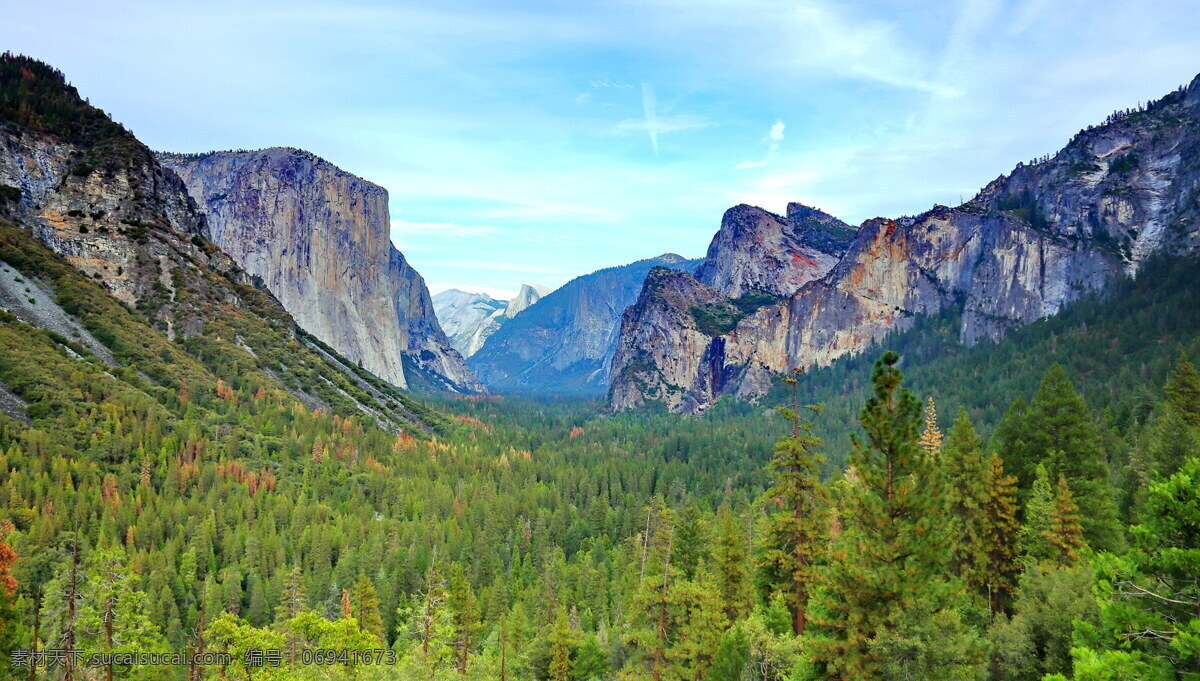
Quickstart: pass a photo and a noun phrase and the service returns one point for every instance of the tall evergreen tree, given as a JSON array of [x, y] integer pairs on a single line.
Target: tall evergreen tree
[[112, 614], [888, 565], [702, 624], [964, 469], [365, 607], [1183, 391], [1150, 626], [1000, 532], [729, 566], [561, 642], [797, 504], [1065, 533], [1058, 430], [1033, 540]]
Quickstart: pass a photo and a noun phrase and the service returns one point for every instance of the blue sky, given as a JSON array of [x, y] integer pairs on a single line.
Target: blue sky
[[536, 141]]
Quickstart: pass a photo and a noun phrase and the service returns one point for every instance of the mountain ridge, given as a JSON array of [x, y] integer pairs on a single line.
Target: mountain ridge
[[1028, 243]]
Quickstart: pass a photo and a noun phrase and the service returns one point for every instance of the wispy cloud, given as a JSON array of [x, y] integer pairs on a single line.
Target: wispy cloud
[[773, 139], [604, 83], [650, 108], [661, 125]]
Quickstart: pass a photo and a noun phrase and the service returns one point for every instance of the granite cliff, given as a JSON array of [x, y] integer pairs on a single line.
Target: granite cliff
[[1029, 243], [565, 342], [319, 238]]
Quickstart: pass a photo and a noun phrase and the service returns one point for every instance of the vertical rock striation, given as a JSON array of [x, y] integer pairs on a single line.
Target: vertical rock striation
[[319, 238]]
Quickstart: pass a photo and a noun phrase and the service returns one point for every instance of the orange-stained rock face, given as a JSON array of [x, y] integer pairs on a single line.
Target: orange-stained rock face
[[1028, 244]]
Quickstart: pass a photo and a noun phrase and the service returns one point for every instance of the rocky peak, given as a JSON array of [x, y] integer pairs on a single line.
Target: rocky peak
[[756, 250], [528, 295], [469, 319]]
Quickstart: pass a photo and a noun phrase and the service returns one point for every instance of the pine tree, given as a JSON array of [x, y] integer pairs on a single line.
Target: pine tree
[[1000, 533], [1065, 533], [888, 565], [112, 614], [1058, 430], [729, 566], [1033, 541], [294, 599], [463, 608], [931, 437], [426, 625], [1183, 391], [292, 602], [1150, 624], [964, 470], [691, 540], [797, 502], [1174, 431], [702, 625], [365, 604], [561, 642]]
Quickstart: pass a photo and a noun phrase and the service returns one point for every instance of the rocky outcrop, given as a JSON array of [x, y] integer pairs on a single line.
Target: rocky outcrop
[[758, 251], [565, 342], [1028, 244], [526, 297], [318, 237], [470, 318], [95, 195]]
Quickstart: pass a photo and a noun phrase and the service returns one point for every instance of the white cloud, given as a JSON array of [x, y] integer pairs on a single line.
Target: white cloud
[[661, 125], [604, 83], [773, 139]]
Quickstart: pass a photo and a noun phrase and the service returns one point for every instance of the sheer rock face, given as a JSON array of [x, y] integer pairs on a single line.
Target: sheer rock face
[[759, 251], [318, 237], [564, 343], [469, 319], [117, 216], [1028, 244]]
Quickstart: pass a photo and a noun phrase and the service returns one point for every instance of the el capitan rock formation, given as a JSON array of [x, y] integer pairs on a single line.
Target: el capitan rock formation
[[319, 238]]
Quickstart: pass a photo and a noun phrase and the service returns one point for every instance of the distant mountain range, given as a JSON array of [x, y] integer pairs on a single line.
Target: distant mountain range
[[564, 344], [470, 318]]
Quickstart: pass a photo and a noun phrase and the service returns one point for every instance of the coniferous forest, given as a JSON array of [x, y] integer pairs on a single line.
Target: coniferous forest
[[246, 504], [1035, 516]]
